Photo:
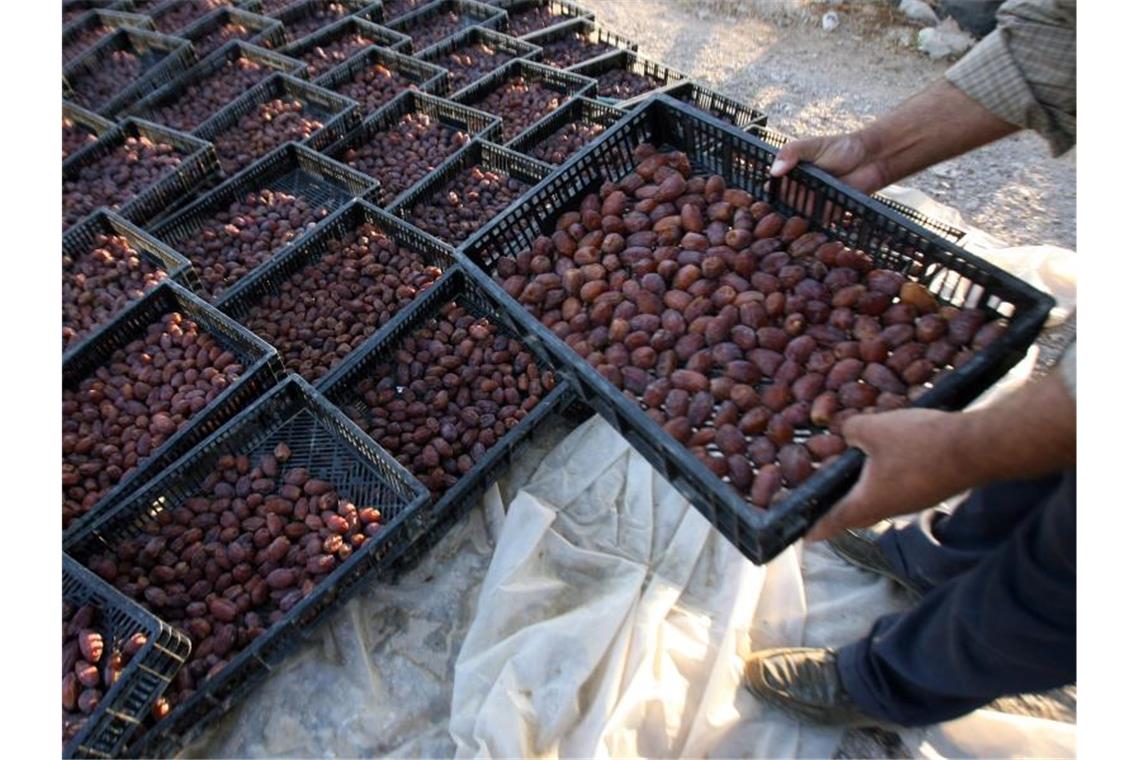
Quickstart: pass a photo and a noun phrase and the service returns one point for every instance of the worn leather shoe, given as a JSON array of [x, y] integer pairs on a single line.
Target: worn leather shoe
[[804, 682], [860, 547]]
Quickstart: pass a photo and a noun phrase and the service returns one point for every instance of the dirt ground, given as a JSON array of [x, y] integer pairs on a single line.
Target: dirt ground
[[814, 82], [774, 54]]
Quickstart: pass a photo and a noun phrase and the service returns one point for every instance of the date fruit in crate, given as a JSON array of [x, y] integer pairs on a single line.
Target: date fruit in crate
[[404, 153], [75, 137], [99, 282], [268, 126], [466, 203], [622, 84], [572, 50], [747, 336], [374, 85], [520, 103], [330, 307], [454, 387], [205, 97], [567, 141], [147, 391], [231, 30], [92, 663], [322, 15], [111, 73], [397, 8], [331, 54], [83, 40], [250, 231], [185, 12], [435, 28], [533, 19], [472, 62], [117, 177], [229, 562]]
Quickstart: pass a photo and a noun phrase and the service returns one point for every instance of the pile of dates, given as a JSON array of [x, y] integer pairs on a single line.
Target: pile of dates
[[228, 563], [266, 127], [466, 203], [324, 310], [117, 176], [236, 239], [747, 336], [520, 103], [100, 281], [453, 388], [147, 391], [92, 663], [404, 153]]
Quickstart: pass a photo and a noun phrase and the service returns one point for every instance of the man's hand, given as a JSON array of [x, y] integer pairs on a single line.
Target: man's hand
[[912, 463], [919, 457], [845, 156]]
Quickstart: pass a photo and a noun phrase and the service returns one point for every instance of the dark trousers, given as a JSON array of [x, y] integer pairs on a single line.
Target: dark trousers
[[1000, 615]]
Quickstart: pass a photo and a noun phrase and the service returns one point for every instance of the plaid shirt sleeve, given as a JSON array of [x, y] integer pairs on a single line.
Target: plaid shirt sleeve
[[1025, 71]]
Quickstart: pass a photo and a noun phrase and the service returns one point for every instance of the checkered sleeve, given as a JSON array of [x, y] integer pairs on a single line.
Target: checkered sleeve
[[1025, 71]]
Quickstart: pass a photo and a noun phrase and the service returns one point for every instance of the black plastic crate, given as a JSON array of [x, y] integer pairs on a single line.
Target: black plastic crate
[[397, 9], [458, 75], [262, 370], [175, 16], [569, 84], [306, 17], [453, 507], [309, 49], [578, 110], [452, 115], [602, 42], [268, 7], [260, 31], [89, 28], [188, 85], [560, 10], [657, 75], [109, 728], [895, 242], [73, 9], [948, 231], [81, 237], [338, 114], [162, 59], [266, 280], [198, 161], [292, 169], [721, 107], [421, 23], [80, 121], [339, 386], [476, 153], [422, 76], [324, 441]]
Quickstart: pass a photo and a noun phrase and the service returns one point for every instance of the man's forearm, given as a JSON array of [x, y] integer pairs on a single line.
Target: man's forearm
[[938, 123], [1030, 433]]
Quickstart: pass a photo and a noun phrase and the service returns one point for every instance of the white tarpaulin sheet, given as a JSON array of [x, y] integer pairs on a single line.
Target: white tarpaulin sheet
[[598, 616]]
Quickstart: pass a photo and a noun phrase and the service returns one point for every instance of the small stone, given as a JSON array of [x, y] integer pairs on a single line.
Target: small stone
[[830, 21], [944, 40], [917, 10]]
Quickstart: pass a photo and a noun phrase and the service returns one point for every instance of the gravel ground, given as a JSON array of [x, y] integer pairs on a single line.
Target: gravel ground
[[815, 82]]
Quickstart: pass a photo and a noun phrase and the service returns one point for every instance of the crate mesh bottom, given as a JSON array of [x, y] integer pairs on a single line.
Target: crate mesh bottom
[[312, 188]]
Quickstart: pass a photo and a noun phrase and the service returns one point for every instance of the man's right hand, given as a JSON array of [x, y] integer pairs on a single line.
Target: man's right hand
[[847, 156]]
